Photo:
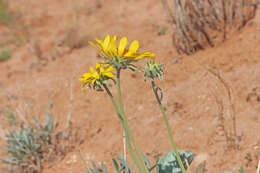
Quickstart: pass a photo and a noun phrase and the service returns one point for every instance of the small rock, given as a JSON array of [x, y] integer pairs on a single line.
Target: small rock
[[175, 60]]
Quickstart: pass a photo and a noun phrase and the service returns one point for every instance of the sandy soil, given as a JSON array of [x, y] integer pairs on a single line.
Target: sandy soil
[[54, 52]]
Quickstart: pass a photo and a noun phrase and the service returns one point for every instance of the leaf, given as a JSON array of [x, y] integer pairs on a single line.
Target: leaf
[[241, 170], [104, 169], [168, 162], [115, 164], [147, 161], [95, 167]]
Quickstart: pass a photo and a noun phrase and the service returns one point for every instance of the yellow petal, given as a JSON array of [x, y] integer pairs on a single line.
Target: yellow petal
[[145, 55], [110, 69], [95, 75], [132, 52], [98, 66], [81, 79], [87, 75], [102, 69], [93, 81], [113, 46], [110, 75], [134, 46], [122, 45], [92, 44], [100, 42], [106, 43], [91, 69]]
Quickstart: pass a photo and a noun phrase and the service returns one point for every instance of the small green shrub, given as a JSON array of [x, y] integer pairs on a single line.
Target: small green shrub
[[5, 55], [166, 164], [241, 169], [120, 166], [161, 31], [29, 146], [5, 14], [26, 146]]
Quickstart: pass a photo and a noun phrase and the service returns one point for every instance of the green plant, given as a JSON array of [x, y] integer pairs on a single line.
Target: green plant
[[167, 163], [5, 55], [120, 166], [26, 146], [241, 169], [5, 14], [118, 59], [152, 71], [248, 156], [161, 31]]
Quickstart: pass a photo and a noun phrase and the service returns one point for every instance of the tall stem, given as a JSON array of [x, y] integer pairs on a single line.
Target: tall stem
[[124, 127], [129, 132], [167, 126]]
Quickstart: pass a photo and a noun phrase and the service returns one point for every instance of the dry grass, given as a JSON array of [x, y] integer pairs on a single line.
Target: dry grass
[[198, 24], [226, 113]]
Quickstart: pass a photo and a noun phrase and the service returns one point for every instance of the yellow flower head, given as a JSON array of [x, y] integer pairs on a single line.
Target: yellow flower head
[[99, 76], [108, 48]]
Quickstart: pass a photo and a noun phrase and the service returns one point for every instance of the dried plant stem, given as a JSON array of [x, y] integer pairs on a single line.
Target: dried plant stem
[[68, 121], [229, 91], [124, 145], [84, 160], [258, 168], [196, 23], [233, 133], [21, 115], [168, 13], [71, 99], [221, 116]]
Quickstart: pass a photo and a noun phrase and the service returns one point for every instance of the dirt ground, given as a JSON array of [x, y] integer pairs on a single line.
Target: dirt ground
[[50, 52]]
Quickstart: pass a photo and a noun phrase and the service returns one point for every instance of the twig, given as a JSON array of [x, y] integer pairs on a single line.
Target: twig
[[68, 121], [195, 23], [168, 13], [258, 168], [232, 114], [20, 114], [124, 143]]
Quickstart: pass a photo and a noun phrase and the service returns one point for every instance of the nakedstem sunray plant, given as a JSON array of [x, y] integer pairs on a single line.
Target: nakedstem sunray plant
[[154, 70], [98, 77], [116, 59], [120, 57]]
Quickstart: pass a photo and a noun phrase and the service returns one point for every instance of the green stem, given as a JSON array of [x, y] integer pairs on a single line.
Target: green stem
[[124, 127], [167, 126], [129, 132]]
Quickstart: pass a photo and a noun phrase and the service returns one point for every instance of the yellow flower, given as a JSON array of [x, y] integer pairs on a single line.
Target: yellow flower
[[108, 48], [101, 74]]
